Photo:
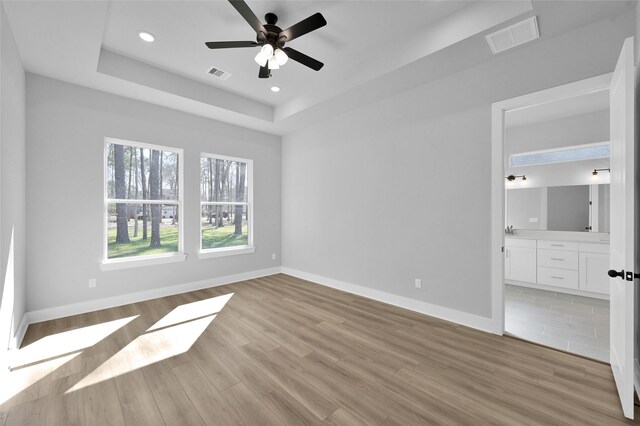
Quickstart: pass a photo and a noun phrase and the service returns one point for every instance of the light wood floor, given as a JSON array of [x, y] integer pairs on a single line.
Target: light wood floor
[[285, 351]]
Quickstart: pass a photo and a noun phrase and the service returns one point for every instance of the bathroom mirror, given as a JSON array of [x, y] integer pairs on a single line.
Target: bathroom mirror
[[576, 208]]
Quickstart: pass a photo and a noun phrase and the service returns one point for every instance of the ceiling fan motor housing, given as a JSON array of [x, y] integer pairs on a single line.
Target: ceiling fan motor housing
[[273, 32]]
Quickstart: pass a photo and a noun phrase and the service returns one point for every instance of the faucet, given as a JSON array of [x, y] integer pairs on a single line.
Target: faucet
[[509, 230]]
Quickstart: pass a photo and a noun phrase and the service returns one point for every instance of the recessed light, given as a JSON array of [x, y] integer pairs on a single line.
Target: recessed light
[[148, 37], [275, 89]]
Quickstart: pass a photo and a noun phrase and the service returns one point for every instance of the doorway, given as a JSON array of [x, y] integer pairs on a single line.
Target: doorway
[[554, 195]]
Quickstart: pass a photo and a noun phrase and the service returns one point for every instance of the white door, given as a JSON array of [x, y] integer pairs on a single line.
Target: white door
[[622, 226]]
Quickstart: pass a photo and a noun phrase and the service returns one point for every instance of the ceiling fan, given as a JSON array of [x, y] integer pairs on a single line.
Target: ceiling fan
[[272, 39]]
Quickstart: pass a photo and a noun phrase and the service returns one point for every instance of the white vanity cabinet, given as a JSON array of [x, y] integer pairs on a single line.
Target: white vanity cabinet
[[594, 264], [520, 260], [565, 266]]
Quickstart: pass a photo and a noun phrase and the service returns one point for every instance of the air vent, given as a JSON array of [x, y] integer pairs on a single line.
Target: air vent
[[514, 35], [218, 73]]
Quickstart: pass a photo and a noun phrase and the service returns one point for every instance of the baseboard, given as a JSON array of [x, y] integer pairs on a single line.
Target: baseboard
[[6, 355], [110, 302], [22, 329], [452, 315]]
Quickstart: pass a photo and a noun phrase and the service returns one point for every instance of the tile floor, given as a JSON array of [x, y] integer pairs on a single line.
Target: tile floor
[[572, 323]]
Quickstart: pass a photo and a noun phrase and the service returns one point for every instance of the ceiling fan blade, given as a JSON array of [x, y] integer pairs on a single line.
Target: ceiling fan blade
[[303, 59], [248, 15], [229, 44], [312, 23], [264, 72]]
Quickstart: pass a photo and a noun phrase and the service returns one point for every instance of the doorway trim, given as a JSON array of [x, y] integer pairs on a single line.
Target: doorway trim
[[498, 110]]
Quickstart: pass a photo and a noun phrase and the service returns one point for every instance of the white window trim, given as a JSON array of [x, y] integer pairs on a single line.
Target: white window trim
[[138, 261], [226, 251], [230, 251], [134, 262]]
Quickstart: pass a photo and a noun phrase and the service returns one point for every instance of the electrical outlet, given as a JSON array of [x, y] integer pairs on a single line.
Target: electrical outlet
[[418, 283], [273, 256], [92, 283]]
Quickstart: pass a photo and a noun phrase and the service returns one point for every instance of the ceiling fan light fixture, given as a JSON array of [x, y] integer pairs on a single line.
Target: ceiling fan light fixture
[[267, 50], [281, 57], [261, 59], [273, 63]]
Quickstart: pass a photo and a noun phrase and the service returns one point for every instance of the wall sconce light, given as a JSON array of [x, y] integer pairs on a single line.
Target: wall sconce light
[[511, 178], [595, 171]]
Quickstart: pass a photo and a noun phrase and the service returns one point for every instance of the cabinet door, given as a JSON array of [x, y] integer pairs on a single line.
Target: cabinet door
[[593, 272], [520, 264]]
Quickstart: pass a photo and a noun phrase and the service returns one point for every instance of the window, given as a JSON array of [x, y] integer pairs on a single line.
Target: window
[[225, 205], [143, 201], [562, 155]]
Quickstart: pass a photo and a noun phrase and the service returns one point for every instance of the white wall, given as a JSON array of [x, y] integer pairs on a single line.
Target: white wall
[[12, 187], [66, 126], [400, 189], [577, 130]]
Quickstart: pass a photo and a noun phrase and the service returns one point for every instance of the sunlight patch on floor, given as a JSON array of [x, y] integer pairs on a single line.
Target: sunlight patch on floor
[[32, 377], [67, 341], [172, 335], [189, 311]]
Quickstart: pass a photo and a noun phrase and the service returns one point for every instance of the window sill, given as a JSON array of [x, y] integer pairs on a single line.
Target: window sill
[[112, 265], [226, 252]]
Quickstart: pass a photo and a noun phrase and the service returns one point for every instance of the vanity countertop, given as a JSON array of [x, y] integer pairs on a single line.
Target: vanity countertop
[[558, 238]]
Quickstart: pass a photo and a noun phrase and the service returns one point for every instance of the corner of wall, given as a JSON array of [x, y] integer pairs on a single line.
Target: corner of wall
[[12, 191]]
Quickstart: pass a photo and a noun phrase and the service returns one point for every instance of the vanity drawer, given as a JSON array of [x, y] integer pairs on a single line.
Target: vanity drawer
[[558, 245], [558, 277], [558, 259], [594, 248], [519, 242]]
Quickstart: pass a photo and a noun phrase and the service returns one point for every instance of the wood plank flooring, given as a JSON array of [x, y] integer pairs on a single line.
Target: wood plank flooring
[[286, 351]]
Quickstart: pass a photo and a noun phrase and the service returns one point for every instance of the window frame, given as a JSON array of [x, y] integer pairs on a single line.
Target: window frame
[[228, 251], [154, 259]]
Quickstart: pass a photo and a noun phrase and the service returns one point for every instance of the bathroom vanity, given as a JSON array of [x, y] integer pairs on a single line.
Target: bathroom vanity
[[569, 266]]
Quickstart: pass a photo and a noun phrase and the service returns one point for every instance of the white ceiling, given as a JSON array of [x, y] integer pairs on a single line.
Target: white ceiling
[[94, 43], [568, 107]]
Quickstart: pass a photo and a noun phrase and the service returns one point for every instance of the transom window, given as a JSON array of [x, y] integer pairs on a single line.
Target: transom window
[[561, 155], [143, 200], [225, 204]]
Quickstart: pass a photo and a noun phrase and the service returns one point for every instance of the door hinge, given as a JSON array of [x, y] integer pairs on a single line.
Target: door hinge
[[503, 249]]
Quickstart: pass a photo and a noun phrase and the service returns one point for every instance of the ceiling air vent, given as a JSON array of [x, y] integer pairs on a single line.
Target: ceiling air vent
[[514, 35], [218, 73]]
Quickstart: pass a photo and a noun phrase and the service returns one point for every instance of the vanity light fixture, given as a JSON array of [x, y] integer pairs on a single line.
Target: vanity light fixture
[[511, 178], [595, 171]]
